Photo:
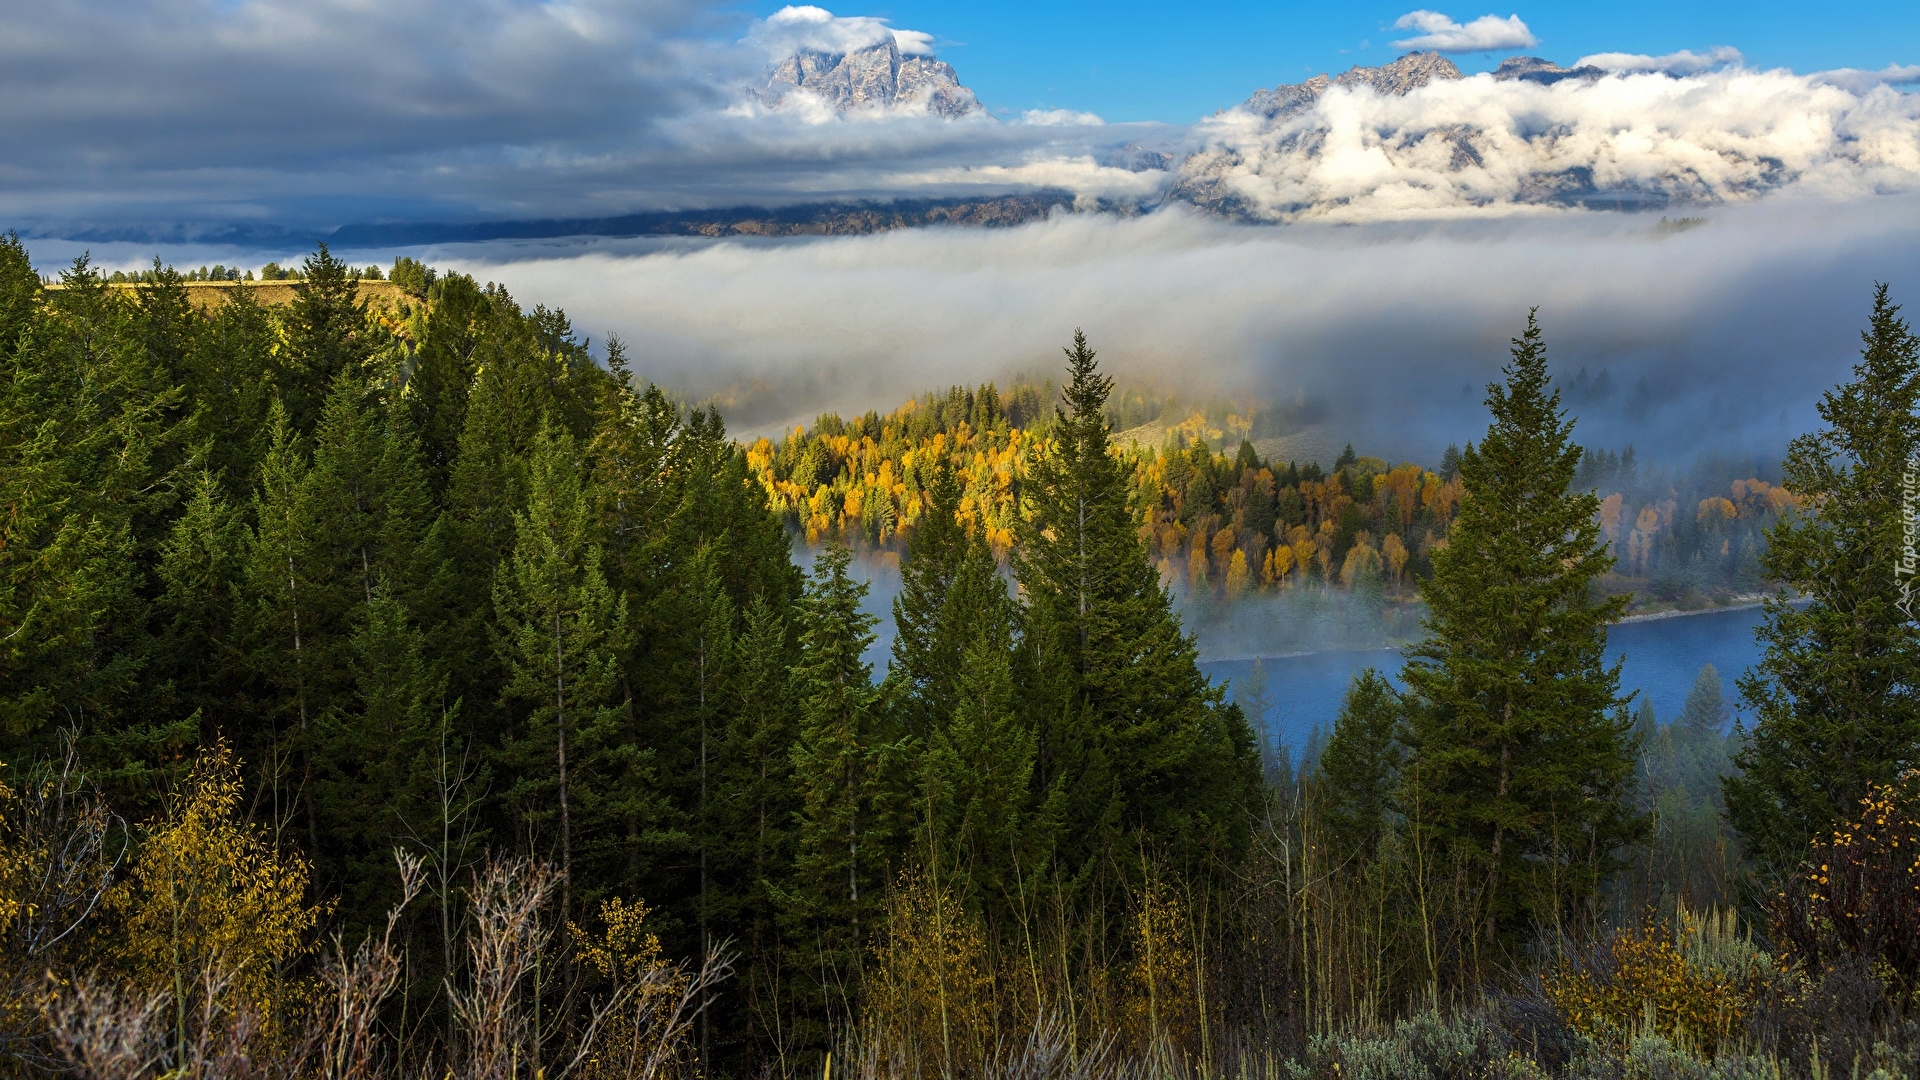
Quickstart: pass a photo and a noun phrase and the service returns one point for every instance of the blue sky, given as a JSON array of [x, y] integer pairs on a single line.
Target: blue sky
[[1129, 60]]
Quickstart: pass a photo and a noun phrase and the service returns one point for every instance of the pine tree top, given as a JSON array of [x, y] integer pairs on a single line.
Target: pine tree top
[[1086, 395]]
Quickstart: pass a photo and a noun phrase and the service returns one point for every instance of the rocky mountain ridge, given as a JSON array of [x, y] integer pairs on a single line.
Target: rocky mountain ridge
[[876, 77], [1471, 148], [1426, 141], [1403, 76], [1545, 72], [809, 219]]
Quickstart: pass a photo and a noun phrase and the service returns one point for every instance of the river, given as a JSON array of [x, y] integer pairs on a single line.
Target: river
[[1661, 659]]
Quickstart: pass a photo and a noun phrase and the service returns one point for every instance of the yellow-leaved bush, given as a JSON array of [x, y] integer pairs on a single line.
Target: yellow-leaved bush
[[1692, 981], [14, 860], [209, 903], [1163, 1003], [930, 993], [626, 953], [17, 858]]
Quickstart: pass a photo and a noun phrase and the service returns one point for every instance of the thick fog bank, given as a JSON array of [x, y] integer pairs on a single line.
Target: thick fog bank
[[1715, 335], [1712, 334]]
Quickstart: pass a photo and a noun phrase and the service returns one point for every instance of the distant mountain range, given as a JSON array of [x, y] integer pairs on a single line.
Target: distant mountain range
[[810, 219], [1214, 177], [1285, 152]]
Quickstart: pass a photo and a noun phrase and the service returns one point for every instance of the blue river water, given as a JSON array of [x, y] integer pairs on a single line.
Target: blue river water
[[1662, 658]]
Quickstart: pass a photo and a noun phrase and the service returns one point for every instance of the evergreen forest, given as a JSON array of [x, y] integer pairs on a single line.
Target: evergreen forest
[[403, 687]]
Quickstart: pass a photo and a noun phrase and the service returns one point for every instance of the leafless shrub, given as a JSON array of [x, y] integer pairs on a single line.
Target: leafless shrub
[[644, 1035], [60, 848], [78, 844], [342, 1036], [504, 946], [107, 1033], [1048, 1051]]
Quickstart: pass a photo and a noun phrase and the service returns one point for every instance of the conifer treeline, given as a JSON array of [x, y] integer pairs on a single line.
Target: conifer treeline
[[443, 582]]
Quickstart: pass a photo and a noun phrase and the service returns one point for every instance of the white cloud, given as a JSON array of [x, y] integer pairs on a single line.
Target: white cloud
[[1684, 62], [1860, 82], [1484, 34], [1482, 147], [1060, 118], [795, 29], [261, 103]]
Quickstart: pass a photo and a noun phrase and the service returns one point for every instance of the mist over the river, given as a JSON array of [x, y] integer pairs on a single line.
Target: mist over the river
[[1716, 337]]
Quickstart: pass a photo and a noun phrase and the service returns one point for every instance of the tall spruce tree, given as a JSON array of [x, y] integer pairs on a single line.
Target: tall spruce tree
[[927, 647], [87, 431], [853, 790], [377, 754], [19, 293], [561, 632], [754, 814], [200, 653], [371, 501], [1133, 742], [1359, 767], [443, 370], [1520, 766], [230, 386], [326, 334], [980, 829], [1836, 694]]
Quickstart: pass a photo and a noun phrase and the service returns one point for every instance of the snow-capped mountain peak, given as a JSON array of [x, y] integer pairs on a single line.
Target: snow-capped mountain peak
[[876, 77]]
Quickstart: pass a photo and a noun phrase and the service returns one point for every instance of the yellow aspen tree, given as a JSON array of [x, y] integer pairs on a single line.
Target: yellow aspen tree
[[1197, 558], [1238, 577], [210, 902], [1396, 554], [1282, 563], [1222, 544]]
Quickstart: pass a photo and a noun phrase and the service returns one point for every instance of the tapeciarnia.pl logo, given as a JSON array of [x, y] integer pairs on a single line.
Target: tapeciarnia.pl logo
[[1906, 569]]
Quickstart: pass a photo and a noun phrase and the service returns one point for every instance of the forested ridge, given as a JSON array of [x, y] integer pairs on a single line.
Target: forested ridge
[[1227, 526], [402, 689]]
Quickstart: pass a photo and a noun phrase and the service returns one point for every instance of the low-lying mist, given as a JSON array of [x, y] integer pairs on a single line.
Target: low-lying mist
[[1696, 335]]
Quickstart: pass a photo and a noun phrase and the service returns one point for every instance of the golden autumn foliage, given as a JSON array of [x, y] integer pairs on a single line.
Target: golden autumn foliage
[[1673, 980], [1716, 508], [1239, 579], [1278, 564], [1362, 561], [1162, 1002], [210, 894], [626, 953], [1857, 895], [875, 481], [930, 992], [866, 481], [1396, 554], [15, 861]]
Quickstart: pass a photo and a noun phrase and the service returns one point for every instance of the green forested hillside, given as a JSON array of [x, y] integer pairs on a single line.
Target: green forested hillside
[[431, 579]]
